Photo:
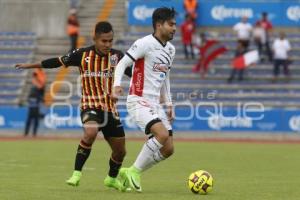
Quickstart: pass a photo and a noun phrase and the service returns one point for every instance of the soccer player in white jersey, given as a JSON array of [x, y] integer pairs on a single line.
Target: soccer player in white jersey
[[152, 57]]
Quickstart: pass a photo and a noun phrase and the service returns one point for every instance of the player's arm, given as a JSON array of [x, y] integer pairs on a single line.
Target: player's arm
[[136, 51], [71, 59], [166, 98], [128, 70], [48, 63], [28, 65], [119, 72]]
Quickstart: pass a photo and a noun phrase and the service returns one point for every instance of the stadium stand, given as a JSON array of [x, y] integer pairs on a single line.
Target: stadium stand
[[15, 47], [257, 86]]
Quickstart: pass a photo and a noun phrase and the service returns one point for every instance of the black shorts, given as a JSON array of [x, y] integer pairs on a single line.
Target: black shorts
[[109, 124]]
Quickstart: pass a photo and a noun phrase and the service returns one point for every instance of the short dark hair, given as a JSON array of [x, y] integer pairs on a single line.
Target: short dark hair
[[162, 14], [103, 27]]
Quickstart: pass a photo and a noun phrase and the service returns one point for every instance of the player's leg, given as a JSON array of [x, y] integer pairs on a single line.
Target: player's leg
[[153, 121], [165, 152], [90, 127], [148, 155], [168, 148], [117, 145], [115, 136], [147, 118]]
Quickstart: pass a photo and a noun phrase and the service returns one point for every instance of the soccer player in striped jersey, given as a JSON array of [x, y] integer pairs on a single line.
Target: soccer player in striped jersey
[[152, 56], [96, 66]]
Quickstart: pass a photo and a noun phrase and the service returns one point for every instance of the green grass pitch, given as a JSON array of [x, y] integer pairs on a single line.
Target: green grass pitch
[[37, 169]]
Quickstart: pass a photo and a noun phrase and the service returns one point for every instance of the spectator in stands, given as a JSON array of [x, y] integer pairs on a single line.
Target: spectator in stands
[[73, 28], [281, 46], [187, 31], [259, 36], [267, 26], [190, 7], [240, 50], [243, 30], [35, 98]]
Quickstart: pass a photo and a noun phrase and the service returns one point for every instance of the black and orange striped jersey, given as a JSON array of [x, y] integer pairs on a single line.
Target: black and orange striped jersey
[[96, 74]]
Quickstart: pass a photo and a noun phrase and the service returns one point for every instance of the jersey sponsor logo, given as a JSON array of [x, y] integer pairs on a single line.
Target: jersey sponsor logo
[[105, 73], [160, 67], [138, 83], [114, 59]]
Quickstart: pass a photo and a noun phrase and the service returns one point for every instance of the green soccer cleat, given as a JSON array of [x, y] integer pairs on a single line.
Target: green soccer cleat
[[133, 176], [113, 183], [123, 180], [75, 178]]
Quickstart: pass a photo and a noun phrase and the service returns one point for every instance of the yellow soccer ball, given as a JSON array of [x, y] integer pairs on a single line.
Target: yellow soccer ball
[[200, 182]]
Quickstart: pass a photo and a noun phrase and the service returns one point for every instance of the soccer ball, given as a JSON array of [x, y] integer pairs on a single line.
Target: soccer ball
[[200, 182]]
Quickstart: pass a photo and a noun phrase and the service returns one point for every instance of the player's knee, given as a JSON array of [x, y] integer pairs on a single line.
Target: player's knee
[[122, 153], [161, 135], [160, 132], [90, 136], [167, 152]]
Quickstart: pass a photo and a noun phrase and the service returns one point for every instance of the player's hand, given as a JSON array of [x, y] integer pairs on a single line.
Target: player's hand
[[22, 66], [117, 92], [170, 113]]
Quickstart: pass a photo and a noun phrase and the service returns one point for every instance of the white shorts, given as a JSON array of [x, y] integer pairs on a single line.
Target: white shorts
[[144, 113]]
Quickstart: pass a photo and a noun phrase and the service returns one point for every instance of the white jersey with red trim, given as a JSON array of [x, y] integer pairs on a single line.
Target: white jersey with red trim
[[152, 64]]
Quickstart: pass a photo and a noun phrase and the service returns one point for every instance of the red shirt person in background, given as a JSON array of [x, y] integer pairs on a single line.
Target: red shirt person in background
[[267, 26], [187, 31]]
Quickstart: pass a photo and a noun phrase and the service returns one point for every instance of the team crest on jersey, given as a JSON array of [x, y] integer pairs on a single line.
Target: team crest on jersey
[[87, 59], [114, 59]]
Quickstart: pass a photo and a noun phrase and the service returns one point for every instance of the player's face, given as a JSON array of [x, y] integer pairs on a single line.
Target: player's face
[[168, 29], [104, 42]]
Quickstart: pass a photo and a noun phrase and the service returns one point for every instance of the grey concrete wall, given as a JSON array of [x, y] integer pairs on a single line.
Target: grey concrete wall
[[47, 18]]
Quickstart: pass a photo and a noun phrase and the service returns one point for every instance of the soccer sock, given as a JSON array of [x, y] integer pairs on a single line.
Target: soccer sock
[[156, 158], [114, 168], [83, 152], [146, 156]]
